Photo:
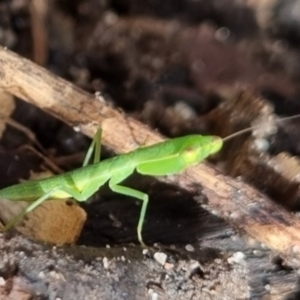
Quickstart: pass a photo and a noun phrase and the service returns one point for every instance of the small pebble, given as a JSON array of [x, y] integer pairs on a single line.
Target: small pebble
[[160, 257], [2, 281], [218, 261], [145, 251], [296, 249], [258, 253], [168, 266], [189, 248], [153, 294], [193, 265], [105, 262], [237, 257]]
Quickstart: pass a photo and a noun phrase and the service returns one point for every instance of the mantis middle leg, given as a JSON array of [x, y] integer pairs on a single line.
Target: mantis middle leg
[[95, 145]]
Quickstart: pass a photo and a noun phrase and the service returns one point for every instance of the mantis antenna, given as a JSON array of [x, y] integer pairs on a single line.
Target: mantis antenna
[[229, 137]]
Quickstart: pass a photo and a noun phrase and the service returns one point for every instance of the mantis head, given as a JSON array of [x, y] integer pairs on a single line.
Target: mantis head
[[198, 148]]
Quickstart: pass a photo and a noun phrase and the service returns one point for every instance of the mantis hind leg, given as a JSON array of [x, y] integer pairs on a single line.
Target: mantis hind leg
[[75, 194], [28, 209], [114, 185], [95, 145]]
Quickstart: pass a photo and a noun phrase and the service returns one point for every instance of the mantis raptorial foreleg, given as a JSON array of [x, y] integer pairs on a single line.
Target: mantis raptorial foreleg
[[114, 185]]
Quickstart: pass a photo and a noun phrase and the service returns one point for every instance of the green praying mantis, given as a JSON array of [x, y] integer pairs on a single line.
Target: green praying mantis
[[165, 158]]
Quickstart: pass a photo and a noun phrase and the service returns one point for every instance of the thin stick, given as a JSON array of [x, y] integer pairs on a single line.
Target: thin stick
[[47, 161], [27, 132]]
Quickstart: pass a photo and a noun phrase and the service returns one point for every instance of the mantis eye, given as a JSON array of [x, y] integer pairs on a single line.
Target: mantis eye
[[190, 155]]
